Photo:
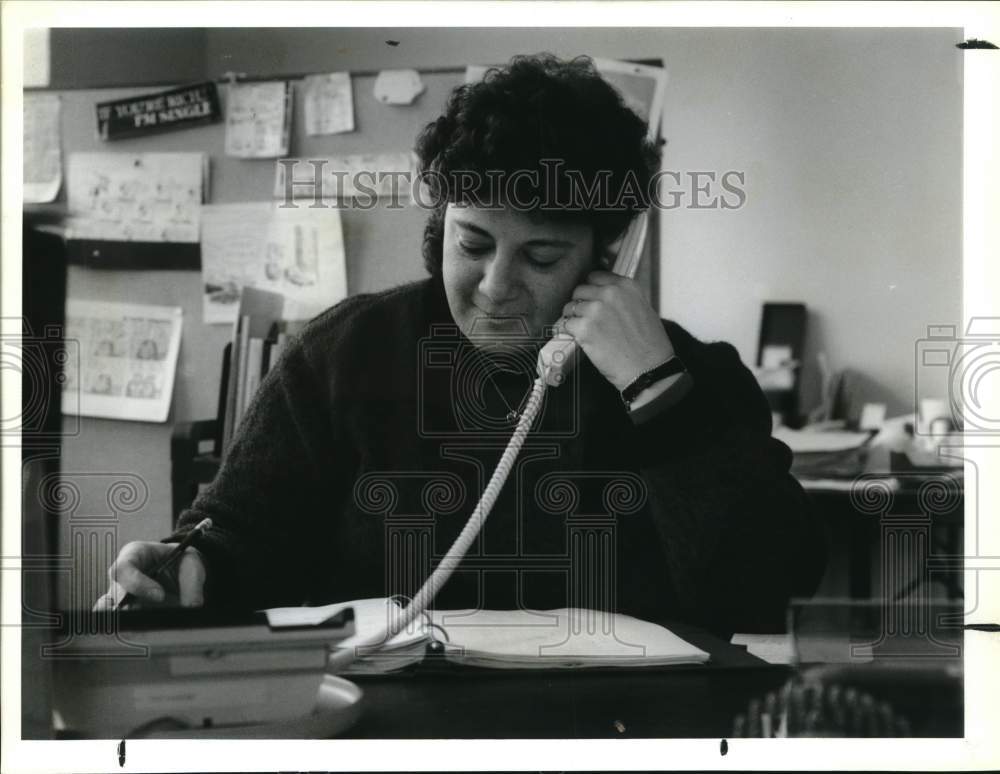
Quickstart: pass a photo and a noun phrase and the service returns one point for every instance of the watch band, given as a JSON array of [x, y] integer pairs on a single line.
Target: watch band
[[670, 367]]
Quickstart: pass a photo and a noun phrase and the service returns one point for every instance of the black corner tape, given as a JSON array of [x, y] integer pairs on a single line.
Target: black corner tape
[[974, 43]]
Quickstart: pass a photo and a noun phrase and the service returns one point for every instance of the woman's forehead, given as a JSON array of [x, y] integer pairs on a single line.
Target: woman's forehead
[[509, 220]]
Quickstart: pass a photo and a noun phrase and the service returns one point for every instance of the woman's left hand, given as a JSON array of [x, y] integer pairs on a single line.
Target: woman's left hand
[[616, 327]]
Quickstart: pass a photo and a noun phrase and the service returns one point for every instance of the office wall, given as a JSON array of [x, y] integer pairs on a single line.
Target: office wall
[[852, 146], [82, 58], [850, 141]]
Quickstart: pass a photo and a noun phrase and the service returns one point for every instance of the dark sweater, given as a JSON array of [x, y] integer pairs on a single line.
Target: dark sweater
[[369, 443]]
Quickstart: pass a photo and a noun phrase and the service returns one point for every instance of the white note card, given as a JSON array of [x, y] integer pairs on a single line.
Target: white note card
[[258, 119], [329, 105], [42, 150], [37, 56], [398, 87]]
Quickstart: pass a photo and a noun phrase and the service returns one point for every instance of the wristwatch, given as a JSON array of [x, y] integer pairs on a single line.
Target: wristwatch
[[670, 367]]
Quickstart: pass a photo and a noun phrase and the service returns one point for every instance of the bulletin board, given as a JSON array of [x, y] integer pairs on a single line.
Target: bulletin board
[[382, 248]]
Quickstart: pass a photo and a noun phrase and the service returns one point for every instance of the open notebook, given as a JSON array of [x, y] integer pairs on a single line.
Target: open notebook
[[505, 639]]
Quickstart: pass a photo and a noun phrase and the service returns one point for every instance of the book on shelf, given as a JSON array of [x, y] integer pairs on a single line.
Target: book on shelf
[[254, 362], [233, 373], [241, 371], [248, 356], [568, 638], [227, 358], [268, 347], [278, 348]]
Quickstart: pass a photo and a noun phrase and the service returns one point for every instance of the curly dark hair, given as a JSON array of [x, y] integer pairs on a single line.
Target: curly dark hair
[[560, 122]]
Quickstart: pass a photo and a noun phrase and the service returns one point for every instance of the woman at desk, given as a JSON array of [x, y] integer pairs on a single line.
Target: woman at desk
[[390, 410]]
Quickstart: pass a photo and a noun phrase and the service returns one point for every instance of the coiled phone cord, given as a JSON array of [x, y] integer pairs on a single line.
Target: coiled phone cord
[[342, 658]]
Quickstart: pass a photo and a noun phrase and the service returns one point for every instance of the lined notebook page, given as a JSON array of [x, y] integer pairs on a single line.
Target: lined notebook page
[[506, 639]]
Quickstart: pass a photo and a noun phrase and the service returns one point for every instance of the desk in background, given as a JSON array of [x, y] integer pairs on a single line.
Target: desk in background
[[914, 518]]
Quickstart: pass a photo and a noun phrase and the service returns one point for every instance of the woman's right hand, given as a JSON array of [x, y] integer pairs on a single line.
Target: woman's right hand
[[182, 582]]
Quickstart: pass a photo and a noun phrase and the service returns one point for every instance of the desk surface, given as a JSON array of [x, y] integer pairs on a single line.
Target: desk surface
[[445, 702], [696, 701], [661, 704], [836, 473]]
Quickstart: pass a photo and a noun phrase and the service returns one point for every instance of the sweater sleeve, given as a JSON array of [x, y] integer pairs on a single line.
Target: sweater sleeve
[[736, 528], [262, 496]]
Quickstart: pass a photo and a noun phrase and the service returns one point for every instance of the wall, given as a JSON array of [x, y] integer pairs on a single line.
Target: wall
[[850, 141], [852, 146], [83, 58]]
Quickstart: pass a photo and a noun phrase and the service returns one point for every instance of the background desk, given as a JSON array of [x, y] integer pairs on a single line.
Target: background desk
[[923, 518]]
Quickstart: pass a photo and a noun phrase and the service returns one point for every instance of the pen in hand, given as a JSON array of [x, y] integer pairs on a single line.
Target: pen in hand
[[200, 528]]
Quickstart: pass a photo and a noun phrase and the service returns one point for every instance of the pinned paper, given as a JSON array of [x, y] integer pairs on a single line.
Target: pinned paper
[[298, 253], [329, 105], [398, 87], [127, 360], [36, 57], [42, 154], [145, 197], [258, 120], [475, 73]]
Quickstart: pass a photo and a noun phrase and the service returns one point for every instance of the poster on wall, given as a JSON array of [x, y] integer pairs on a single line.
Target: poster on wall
[[127, 363], [159, 111]]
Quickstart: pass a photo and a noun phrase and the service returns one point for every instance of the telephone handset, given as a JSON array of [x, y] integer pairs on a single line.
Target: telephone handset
[[558, 357], [555, 361]]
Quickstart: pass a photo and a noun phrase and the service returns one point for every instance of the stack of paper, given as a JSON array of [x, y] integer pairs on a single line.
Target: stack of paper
[[772, 648], [810, 441], [564, 638]]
